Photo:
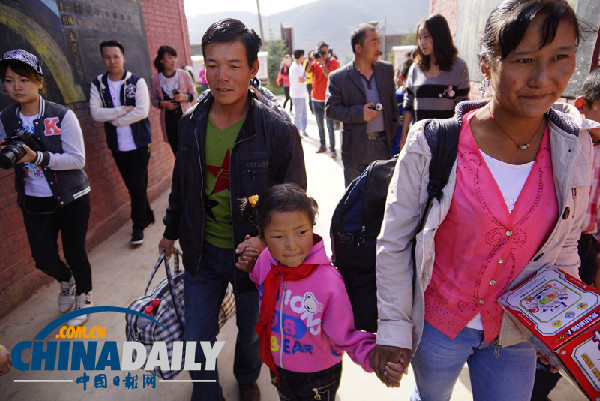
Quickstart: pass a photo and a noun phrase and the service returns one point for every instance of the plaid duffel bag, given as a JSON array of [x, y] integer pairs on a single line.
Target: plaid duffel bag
[[169, 313]]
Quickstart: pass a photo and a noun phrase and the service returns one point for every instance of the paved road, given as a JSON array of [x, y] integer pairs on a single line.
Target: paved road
[[120, 275]]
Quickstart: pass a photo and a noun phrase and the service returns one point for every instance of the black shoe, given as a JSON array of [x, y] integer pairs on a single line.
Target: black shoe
[[137, 238], [249, 392]]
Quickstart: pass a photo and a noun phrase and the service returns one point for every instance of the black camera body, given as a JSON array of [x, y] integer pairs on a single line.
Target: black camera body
[[317, 54], [377, 106], [12, 150]]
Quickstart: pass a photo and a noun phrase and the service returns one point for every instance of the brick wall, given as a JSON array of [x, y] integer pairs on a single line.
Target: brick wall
[[109, 197], [447, 8]]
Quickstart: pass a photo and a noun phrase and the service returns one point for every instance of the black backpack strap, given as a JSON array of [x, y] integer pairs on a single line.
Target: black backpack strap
[[443, 143]]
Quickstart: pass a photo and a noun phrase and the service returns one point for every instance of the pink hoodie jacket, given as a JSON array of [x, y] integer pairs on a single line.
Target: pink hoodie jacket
[[313, 323]]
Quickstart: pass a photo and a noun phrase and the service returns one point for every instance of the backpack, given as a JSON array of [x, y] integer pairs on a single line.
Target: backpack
[[357, 219]]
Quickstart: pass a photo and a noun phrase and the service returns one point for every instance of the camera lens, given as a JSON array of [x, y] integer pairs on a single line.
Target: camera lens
[[11, 154]]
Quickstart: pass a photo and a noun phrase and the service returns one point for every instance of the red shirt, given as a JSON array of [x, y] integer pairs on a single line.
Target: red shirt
[[320, 80]]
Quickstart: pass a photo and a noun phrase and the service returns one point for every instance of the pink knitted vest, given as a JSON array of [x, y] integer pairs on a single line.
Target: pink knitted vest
[[480, 247]]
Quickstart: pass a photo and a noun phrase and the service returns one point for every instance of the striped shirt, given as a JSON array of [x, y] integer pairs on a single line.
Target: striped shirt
[[436, 97]]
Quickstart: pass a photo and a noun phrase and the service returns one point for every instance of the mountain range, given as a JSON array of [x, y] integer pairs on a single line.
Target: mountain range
[[331, 21]]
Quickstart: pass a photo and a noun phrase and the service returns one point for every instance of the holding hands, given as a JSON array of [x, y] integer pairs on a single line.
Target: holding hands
[[248, 252], [390, 363]]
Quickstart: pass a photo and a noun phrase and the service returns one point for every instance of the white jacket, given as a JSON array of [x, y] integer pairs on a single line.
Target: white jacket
[[401, 312]]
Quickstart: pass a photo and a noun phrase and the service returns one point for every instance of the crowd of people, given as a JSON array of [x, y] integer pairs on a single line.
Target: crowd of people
[[525, 181]]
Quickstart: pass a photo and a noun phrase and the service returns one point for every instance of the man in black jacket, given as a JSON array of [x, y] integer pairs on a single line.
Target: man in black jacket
[[230, 147], [353, 93]]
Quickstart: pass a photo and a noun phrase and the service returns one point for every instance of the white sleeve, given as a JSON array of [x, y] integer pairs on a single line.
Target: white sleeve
[[142, 106], [73, 156], [101, 113]]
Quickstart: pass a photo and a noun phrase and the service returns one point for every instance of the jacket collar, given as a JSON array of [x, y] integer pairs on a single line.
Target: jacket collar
[[41, 110]]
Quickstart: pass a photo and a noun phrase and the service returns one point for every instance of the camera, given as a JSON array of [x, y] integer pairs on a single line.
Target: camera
[[377, 106], [13, 150]]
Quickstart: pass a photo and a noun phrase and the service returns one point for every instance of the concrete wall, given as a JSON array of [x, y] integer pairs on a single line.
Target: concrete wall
[[110, 200]]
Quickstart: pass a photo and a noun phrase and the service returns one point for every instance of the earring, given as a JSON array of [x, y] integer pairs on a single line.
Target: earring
[[484, 86]]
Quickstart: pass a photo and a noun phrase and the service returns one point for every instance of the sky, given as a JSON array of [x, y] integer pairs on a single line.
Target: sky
[[267, 7]]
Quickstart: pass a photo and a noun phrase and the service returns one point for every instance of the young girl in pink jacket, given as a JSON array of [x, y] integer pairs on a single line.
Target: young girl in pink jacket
[[306, 320]]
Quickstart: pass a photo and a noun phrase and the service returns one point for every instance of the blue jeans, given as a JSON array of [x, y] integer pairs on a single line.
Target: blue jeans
[[496, 373], [319, 111], [300, 115], [203, 295]]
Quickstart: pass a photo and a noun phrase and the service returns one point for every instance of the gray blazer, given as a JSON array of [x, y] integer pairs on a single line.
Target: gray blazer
[[346, 98]]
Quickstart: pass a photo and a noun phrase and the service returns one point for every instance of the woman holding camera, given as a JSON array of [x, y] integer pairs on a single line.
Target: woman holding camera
[[173, 92], [52, 188], [515, 201], [437, 80]]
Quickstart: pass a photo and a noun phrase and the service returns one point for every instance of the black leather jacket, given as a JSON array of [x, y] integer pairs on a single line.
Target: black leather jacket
[[266, 152]]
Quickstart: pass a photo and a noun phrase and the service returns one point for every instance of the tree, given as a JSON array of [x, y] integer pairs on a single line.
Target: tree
[[276, 49]]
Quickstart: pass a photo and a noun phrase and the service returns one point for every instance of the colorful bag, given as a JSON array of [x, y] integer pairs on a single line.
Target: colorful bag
[[169, 313]]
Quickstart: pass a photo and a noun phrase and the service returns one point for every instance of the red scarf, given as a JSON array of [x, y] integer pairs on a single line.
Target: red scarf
[[267, 307]]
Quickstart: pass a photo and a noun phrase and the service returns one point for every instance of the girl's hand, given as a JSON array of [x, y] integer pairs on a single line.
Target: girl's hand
[[248, 252], [180, 97], [393, 373], [29, 156]]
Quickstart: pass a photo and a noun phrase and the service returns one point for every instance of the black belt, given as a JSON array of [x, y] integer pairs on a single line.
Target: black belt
[[375, 135]]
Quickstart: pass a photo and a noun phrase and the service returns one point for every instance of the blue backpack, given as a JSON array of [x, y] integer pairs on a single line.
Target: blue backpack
[[357, 219]]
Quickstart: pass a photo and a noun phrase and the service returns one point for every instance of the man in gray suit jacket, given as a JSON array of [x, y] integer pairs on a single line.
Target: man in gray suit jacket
[[362, 96]]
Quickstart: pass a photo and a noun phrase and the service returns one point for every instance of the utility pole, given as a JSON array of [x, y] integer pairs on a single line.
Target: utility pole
[[262, 35]]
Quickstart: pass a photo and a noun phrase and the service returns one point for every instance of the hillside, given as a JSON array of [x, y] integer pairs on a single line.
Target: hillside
[[328, 20]]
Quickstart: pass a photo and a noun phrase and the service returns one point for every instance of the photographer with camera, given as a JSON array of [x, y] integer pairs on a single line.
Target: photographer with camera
[[172, 91], [321, 66], [42, 140], [361, 95]]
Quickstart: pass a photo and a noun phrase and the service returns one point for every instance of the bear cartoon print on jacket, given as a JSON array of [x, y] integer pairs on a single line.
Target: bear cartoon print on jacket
[[313, 323]]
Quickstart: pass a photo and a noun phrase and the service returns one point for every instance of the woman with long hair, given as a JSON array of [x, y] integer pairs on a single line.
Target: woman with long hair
[[172, 91], [514, 202], [437, 80]]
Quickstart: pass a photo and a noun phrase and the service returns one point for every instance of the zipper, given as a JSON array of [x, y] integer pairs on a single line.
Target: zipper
[[281, 325]]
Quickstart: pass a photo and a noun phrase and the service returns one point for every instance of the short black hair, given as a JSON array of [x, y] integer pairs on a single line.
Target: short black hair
[[298, 53], [112, 43], [321, 44], [507, 24], [359, 33], [286, 197], [21, 69], [232, 30], [160, 54], [591, 87], [443, 47]]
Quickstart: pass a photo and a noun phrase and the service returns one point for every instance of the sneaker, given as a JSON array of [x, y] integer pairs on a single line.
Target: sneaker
[[333, 154], [81, 301], [137, 238], [304, 133], [322, 149], [66, 297]]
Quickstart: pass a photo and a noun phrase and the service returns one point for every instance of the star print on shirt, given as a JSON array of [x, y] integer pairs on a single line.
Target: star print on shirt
[[222, 174]]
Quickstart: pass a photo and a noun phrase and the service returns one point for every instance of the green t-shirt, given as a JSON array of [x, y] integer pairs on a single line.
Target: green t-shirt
[[217, 227]]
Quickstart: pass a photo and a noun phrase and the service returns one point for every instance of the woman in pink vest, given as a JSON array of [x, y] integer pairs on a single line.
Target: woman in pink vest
[[514, 202], [173, 92]]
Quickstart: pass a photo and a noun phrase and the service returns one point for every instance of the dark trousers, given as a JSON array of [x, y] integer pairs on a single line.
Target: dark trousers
[[43, 221], [203, 295], [587, 247], [172, 127], [286, 91], [309, 89], [133, 166], [294, 386]]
